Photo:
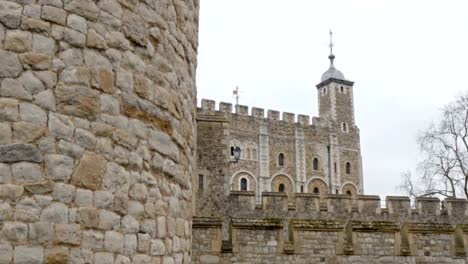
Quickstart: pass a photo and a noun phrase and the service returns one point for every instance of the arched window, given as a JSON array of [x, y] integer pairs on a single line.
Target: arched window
[[281, 159], [348, 192], [316, 190], [281, 188], [348, 168], [248, 153], [232, 151], [254, 154], [315, 164], [243, 184], [302, 188], [341, 88]]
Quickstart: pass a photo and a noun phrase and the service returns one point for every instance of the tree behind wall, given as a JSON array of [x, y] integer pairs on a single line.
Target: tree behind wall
[[444, 147]]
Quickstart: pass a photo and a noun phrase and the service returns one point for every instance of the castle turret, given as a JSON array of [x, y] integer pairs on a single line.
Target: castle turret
[[335, 96], [335, 100]]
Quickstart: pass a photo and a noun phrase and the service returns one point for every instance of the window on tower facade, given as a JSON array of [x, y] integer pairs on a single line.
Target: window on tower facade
[[200, 182], [344, 127], [348, 168], [316, 190], [281, 188], [315, 164], [281, 159], [243, 184]]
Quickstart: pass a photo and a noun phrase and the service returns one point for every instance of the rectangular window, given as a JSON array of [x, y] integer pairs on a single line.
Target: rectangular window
[[335, 167], [200, 182]]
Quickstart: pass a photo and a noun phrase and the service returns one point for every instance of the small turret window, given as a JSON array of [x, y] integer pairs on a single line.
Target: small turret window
[[348, 168], [281, 160], [342, 90], [316, 190], [344, 127], [315, 164]]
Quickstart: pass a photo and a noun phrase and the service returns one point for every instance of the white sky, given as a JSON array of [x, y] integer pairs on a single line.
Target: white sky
[[407, 59]]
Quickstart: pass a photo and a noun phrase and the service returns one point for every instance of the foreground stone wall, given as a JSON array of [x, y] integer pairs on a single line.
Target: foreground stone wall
[[335, 229], [97, 131]]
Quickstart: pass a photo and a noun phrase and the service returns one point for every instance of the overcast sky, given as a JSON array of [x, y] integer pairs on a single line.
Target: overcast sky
[[407, 59]]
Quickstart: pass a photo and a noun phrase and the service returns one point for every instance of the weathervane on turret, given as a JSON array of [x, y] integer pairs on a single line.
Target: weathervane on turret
[[331, 56]]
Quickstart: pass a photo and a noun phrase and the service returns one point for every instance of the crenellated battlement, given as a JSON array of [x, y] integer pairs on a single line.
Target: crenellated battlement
[[307, 205], [208, 107]]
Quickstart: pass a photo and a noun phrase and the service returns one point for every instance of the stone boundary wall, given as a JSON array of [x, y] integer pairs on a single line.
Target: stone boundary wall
[[97, 130], [208, 107], [338, 230], [306, 205]]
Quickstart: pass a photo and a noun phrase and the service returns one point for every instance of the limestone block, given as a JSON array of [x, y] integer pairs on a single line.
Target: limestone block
[[109, 20], [6, 253], [71, 57], [31, 83], [16, 232], [111, 7], [162, 227], [124, 80], [47, 145], [41, 232], [93, 58], [130, 244], [114, 242], [74, 37], [104, 258], [78, 101], [32, 10], [45, 99], [136, 209], [18, 41], [28, 255], [78, 75], [93, 239], [141, 259], [59, 167], [134, 28], [138, 192], [56, 255], [54, 14], [117, 40], [64, 192], [103, 199], [158, 247], [68, 234], [26, 172], [60, 126], [94, 40], [121, 203], [84, 198], [8, 109], [5, 173], [84, 8], [89, 217], [133, 62], [32, 113], [39, 187], [10, 66], [116, 178], [168, 260], [121, 259], [43, 44], [26, 132], [37, 61], [5, 133], [102, 79], [77, 23], [49, 78], [35, 25], [55, 213], [14, 88], [6, 212], [19, 152], [144, 242], [10, 14], [108, 220], [131, 4], [85, 139], [110, 104], [130, 224]]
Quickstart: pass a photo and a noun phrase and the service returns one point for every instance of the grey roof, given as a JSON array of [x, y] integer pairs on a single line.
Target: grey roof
[[332, 72]]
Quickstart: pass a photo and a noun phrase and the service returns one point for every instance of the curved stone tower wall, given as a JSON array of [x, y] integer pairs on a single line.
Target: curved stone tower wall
[[97, 130]]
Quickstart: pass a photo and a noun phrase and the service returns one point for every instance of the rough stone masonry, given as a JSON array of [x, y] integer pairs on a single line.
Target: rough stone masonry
[[97, 130]]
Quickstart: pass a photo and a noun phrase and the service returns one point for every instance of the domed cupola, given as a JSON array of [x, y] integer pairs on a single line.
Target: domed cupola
[[332, 72]]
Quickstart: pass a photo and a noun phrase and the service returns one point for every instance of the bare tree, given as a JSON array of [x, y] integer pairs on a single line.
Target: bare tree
[[444, 146]]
